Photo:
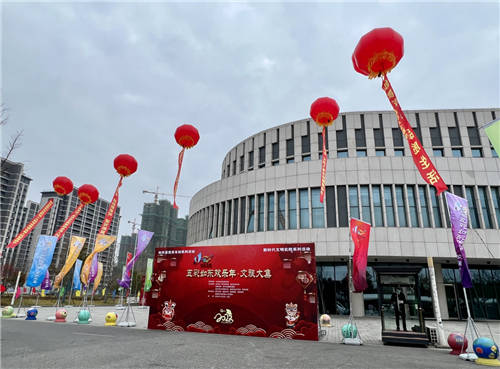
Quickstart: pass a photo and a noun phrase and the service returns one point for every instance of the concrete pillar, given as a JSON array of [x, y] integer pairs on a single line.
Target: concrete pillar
[[358, 304], [443, 306]]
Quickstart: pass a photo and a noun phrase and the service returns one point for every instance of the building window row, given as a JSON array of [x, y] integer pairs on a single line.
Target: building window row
[[381, 205], [457, 134]]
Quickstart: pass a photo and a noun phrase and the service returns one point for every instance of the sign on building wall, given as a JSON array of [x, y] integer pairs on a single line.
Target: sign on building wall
[[250, 290]]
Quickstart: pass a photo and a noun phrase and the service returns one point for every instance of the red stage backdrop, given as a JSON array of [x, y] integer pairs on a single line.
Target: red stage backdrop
[[250, 290]]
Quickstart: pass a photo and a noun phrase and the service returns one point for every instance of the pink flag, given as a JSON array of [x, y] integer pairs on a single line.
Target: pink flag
[[18, 293]]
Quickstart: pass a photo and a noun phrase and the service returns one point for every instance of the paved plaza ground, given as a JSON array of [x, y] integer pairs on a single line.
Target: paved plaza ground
[[44, 344]]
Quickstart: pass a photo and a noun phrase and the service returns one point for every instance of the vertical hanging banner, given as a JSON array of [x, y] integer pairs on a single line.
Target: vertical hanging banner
[[149, 273], [129, 257], [98, 276], [458, 209], [422, 161], [360, 233], [108, 218], [41, 260], [77, 285], [64, 227], [75, 247], [143, 238], [46, 282], [93, 269], [31, 225], [102, 242]]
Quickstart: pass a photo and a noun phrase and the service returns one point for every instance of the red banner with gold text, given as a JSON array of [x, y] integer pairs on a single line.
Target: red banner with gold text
[[323, 169], [111, 210], [60, 232], [176, 184], [424, 165], [360, 234], [226, 289], [32, 224]]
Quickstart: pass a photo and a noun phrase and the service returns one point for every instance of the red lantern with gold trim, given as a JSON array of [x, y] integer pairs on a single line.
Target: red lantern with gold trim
[[187, 136], [324, 111], [62, 185], [125, 165], [378, 52], [88, 194]]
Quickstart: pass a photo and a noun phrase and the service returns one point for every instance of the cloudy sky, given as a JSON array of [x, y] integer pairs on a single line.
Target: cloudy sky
[[89, 81]]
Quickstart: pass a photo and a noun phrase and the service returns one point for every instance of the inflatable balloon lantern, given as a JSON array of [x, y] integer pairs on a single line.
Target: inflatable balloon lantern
[[325, 320], [349, 331], [458, 343], [83, 317], [111, 318], [31, 314], [375, 55], [187, 136], [62, 185], [486, 351], [8, 312], [324, 111], [61, 315], [88, 194]]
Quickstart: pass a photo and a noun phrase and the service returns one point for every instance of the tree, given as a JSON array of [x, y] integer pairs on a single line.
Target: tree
[[15, 139]]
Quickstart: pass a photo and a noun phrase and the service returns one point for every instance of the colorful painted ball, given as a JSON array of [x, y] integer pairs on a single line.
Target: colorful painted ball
[[458, 343], [485, 348], [32, 312], [325, 319], [349, 331], [61, 314], [7, 311], [111, 317], [84, 315]]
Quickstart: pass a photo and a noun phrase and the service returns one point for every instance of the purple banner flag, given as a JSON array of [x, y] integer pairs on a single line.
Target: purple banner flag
[[46, 282], [93, 269], [143, 238], [458, 209]]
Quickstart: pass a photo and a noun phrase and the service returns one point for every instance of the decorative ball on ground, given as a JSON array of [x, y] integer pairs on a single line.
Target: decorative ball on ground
[[349, 331], [325, 320], [111, 318], [485, 348], [458, 343], [61, 315], [88, 194], [7, 312], [31, 314], [83, 317], [62, 185], [125, 165]]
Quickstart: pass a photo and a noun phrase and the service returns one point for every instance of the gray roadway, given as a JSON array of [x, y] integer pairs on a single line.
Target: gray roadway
[[38, 344]]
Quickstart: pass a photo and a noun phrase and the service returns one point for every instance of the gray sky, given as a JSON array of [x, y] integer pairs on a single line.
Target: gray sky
[[89, 81]]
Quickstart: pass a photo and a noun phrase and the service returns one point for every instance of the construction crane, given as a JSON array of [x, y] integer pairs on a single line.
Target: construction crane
[[156, 193]]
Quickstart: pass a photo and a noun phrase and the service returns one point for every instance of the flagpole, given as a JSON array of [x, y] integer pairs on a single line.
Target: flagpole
[[15, 288]]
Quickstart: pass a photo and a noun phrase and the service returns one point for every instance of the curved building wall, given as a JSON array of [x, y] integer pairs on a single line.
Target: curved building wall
[[269, 191]]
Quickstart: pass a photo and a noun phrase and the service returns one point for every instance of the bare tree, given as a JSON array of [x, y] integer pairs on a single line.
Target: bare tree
[[15, 140]]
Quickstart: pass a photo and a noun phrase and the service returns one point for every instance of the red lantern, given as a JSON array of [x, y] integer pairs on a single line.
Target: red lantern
[[324, 111], [187, 136], [378, 52], [62, 185], [125, 165], [88, 194]]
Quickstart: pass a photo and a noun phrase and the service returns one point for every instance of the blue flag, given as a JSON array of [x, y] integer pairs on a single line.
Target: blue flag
[[41, 261], [76, 275]]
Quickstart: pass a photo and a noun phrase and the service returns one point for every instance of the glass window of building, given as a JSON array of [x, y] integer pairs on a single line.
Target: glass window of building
[[457, 153], [397, 137], [365, 204], [377, 206], [318, 213], [359, 134], [494, 153], [250, 160], [229, 213], [380, 152], [378, 133], [235, 216], [483, 199], [417, 129], [306, 157], [424, 206], [342, 206], [222, 218], [342, 135], [435, 132], [228, 170], [370, 294], [262, 156], [260, 220], [438, 152], [290, 150], [474, 138], [353, 202], [454, 133], [304, 207], [412, 203], [243, 210], [403, 222], [251, 213], [306, 144], [275, 153], [234, 167], [290, 160], [495, 196], [389, 206], [471, 199], [399, 152], [331, 213], [211, 222], [342, 154], [477, 153], [292, 209], [281, 210], [436, 208], [361, 153], [242, 163], [270, 211]]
